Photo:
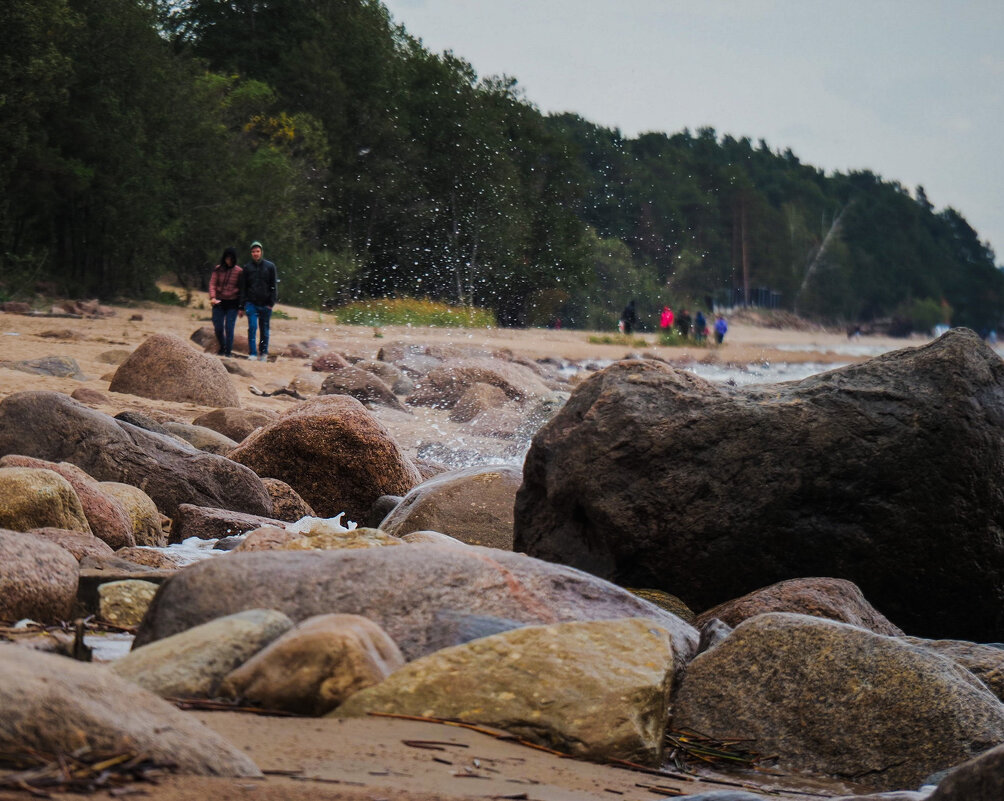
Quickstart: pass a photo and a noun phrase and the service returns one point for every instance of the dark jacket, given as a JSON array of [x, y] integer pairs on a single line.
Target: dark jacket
[[258, 283]]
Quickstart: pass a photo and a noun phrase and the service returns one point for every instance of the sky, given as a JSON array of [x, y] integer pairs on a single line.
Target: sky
[[912, 90]]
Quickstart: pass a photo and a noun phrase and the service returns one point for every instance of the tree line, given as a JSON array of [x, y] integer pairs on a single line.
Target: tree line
[[140, 137]]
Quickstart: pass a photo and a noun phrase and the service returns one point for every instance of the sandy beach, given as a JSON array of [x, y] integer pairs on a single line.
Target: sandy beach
[[308, 758]]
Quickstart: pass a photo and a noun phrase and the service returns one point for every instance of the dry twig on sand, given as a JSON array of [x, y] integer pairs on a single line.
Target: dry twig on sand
[[83, 771]]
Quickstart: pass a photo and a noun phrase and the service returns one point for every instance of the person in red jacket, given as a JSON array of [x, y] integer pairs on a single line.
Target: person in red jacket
[[224, 297]]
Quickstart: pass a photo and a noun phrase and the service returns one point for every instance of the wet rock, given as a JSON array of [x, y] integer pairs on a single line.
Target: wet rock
[[192, 664], [445, 385], [76, 542], [361, 385], [336, 540], [402, 589], [836, 700], [205, 439], [986, 662], [165, 367], [144, 519], [235, 423], [107, 517], [149, 557], [666, 601], [500, 423], [327, 362], [382, 507], [842, 474], [287, 505], [267, 538], [212, 524], [600, 689], [979, 779], [51, 426], [123, 603], [476, 399], [315, 666], [32, 497], [57, 705], [38, 580], [333, 453], [834, 599], [433, 538], [472, 505], [307, 384], [455, 628], [143, 421], [429, 468]]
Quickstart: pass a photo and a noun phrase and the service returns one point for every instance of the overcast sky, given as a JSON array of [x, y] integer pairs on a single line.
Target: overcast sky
[[912, 90]]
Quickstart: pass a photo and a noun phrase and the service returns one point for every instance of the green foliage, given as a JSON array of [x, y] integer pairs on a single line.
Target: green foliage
[[138, 137], [618, 339], [169, 298], [923, 315], [414, 312]]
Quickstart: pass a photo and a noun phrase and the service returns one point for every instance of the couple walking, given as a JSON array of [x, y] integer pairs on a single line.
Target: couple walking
[[234, 291]]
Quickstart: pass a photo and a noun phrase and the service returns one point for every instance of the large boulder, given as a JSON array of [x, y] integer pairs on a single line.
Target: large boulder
[[52, 426], [33, 497], [599, 689], [192, 663], [106, 516], [315, 666], [834, 599], [445, 385], [333, 453], [165, 367], [403, 589], [473, 505], [836, 700], [38, 580], [52, 705], [653, 477]]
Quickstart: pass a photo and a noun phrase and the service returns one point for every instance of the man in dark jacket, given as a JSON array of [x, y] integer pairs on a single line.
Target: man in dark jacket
[[258, 285]]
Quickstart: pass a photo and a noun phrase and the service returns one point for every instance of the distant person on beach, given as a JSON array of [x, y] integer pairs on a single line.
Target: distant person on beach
[[721, 327], [224, 297], [666, 319], [700, 326], [629, 317], [683, 323], [259, 292]]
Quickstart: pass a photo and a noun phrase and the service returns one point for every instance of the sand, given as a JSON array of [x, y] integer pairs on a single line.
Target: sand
[[378, 758]]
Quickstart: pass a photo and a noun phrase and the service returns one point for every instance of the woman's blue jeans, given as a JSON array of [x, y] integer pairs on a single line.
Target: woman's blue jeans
[[224, 320]]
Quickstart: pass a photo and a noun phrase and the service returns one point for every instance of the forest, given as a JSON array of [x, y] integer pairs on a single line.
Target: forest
[[141, 137]]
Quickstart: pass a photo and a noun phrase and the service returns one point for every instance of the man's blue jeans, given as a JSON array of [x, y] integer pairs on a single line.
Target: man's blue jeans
[[258, 320], [224, 320]]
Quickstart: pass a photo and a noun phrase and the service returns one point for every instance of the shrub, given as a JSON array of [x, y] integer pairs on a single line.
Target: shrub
[[413, 311]]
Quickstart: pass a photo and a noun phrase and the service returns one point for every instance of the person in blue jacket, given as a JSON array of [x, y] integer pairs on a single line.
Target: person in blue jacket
[[721, 326], [259, 292]]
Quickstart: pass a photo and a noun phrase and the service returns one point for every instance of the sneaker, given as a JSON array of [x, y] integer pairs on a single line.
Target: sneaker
[[263, 357]]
